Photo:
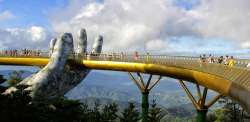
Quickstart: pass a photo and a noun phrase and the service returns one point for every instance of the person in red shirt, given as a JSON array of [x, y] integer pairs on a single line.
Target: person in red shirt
[[136, 55]]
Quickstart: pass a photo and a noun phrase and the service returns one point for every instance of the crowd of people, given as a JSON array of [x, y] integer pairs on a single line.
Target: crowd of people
[[23, 52], [230, 61], [226, 60]]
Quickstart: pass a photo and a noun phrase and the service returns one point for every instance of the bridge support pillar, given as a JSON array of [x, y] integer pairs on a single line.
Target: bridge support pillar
[[201, 115], [145, 89], [144, 106], [200, 104]]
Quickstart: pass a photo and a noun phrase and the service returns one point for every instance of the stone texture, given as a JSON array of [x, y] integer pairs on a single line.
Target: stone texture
[[51, 46], [82, 42], [97, 46], [58, 77]]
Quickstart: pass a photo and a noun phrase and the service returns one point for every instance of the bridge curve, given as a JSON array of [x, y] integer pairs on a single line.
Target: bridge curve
[[229, 81]]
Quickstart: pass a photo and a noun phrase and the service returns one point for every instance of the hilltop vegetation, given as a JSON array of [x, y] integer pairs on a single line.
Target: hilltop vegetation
[[19, 106]]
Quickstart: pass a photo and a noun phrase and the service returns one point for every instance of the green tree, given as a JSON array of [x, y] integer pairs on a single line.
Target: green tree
[[15, 107], [109, 113], [130, 114], [221, 115], [19, 106], [230, 112], [154, 112], [65, 110], [15, 77], [95, 114], [211, 117], [2, 79], [85, 112]]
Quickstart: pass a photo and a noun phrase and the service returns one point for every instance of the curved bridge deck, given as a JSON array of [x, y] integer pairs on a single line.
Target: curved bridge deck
[[229, 81]]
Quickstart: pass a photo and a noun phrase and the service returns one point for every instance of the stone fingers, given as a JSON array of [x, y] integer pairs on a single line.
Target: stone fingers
[[62, 50], [82, 42], [97, 46], [43, 83], [52, 45], [58, 77]]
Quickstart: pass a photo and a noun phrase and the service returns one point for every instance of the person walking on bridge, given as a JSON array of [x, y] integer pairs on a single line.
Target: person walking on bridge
[[231, 61], [121, 56], [147, 57], [2, 52], [210, 58], [136, 55], [248, 65], [226, 60], [203, 58], [220, 59]]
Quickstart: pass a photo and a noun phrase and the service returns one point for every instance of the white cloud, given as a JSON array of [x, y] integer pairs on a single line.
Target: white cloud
[[135, 24], [34, 37], [156, 45], [226, 19], [89, 11], [126, 24], [6, 15], [37, 33], [245, 44]]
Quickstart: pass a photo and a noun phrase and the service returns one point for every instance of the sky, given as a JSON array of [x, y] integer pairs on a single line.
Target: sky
[[157, 26]]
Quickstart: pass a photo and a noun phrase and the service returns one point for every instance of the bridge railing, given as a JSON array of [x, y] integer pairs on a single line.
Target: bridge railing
[[150, 58], [19, 53], [238, 73], [108, 56], [115, 57]]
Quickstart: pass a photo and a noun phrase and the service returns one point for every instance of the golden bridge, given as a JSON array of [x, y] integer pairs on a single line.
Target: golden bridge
[[233, 82]]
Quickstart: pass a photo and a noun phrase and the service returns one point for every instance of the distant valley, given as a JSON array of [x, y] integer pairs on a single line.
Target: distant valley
[[107, 87]]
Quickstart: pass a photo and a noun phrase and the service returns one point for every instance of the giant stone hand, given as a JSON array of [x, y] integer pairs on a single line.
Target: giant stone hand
[[58, 76]]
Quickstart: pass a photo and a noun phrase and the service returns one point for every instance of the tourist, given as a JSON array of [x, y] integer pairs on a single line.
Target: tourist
[[147, 56], [136, 55], [226, 60], [203, 58], [248, 65], [210, 59], [109, 56], [6, 52], [231, 61], [200, 58], [220, 59], [1, 52], [122, 56]]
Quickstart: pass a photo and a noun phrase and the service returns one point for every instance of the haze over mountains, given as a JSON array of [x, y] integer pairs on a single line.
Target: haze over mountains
[[110, 86], [118, 86]]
